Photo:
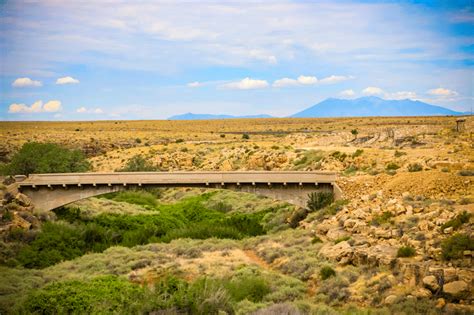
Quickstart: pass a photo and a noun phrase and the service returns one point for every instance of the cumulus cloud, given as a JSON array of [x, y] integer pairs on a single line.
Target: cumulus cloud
[[307, 80], [246, 84], [442, 92], [25, 82], [335, 79], [402, 95], [285, 82], [83, 110], [372, 90], [195, 84], [67, 80], [348, 93], [36, 107]]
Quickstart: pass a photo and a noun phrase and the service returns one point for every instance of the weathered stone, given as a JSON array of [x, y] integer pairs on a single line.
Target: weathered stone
[[22, 200], [336, 233], [423, 293], [337, 251], [456, 289], [391, 299], [440, 303], [448, 230], [431, 282]]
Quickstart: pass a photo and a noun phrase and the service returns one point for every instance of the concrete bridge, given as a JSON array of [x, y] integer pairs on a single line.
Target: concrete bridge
[[49, 191]]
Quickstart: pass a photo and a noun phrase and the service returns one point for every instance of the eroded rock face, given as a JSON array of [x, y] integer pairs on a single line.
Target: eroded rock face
[[22, 200], [337, 251]]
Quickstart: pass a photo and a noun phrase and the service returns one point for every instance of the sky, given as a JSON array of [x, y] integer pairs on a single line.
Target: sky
[[112, 59]]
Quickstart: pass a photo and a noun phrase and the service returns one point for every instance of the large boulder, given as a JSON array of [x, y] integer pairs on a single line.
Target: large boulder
[[339, 251], [457, 290], [431, 282], [22, 200]]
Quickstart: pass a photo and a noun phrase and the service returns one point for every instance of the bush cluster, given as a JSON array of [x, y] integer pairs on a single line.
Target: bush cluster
[[35, 157], [60, 241], [319, 200], [406, 251], [454, 246], [138, 163], [458, 221]]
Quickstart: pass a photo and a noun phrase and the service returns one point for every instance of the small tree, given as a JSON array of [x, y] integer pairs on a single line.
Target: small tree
[[354, 133], [35, 157], [138, 163], [319, 200]]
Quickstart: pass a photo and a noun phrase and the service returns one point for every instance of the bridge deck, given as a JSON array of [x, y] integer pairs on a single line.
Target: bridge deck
[[179, 178]]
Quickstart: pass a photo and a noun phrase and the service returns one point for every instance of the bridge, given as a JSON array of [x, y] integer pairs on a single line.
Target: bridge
[[50, 191]]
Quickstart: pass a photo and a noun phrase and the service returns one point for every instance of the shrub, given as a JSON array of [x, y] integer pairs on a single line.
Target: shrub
[[316, 240], [309, 158], [357, 153], [406, 251], [335, 290], [222, 135], [342, 239], [354, 133], [138, 140], [459, 220], [392, 166], [454, 246], [319, 200], [381, 219], [107, 294], [245, 136], [399, 153], [339, 156], [137, 197], [35, 157], [415, 167], [252, 287], [179, 140], [466, 173], [138, 163], [327, 272]]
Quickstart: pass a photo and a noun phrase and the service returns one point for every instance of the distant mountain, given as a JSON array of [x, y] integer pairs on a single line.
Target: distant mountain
[[372, 106], [191, 116]]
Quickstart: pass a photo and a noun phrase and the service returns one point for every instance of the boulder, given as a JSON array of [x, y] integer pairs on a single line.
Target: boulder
[[423, 293], [391, 299], [431, 282], [22, 200], [336, 233], [336, 252], [456, 290]]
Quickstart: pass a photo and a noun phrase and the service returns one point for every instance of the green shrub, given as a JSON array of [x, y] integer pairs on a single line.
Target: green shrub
[[35, 157], [138, 163], [357, 153], [179, 140], [316, 240], [392, 166], [327, 272], [138, 140], [466, 173], [381, 219], [399, 153], [339, 156], [459, 220], [222, 135], [406, 251], [342, 239], [252, 288], [245, 136], [136, 197], [415, 167], [309, 158], [454, 246], [107, 294], [319, 200], [350, 170]]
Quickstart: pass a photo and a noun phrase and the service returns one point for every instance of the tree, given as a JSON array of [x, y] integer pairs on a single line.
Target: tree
[[138, 163], [35, 157], [354, 133]]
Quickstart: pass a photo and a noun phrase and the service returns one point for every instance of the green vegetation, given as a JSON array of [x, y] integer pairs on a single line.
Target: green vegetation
[[415, 167], [406, 251], [459, 220], [339, 156], [466, 173], [319, 200], [189, 218], [392, 166], [399, 153], [382, 218], [136, 197], [35, 157], [310, 158], [342, 239], [245, 136], [354, 133], [357, 153], [327, 272], [107, 294], [454, 246], [138, 163]]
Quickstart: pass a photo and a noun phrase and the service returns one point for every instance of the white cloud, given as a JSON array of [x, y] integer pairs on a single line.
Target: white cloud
[[83, 110], [25, 82], [36, 107], [67, 80], [306, 80], [442, 92], [195, 84], [348, 93], [335, 79], [246, 84], [285, 82], [372, 90], [402, 95]]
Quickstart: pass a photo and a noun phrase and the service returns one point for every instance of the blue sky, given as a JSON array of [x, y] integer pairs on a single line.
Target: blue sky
[[111, 59]]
